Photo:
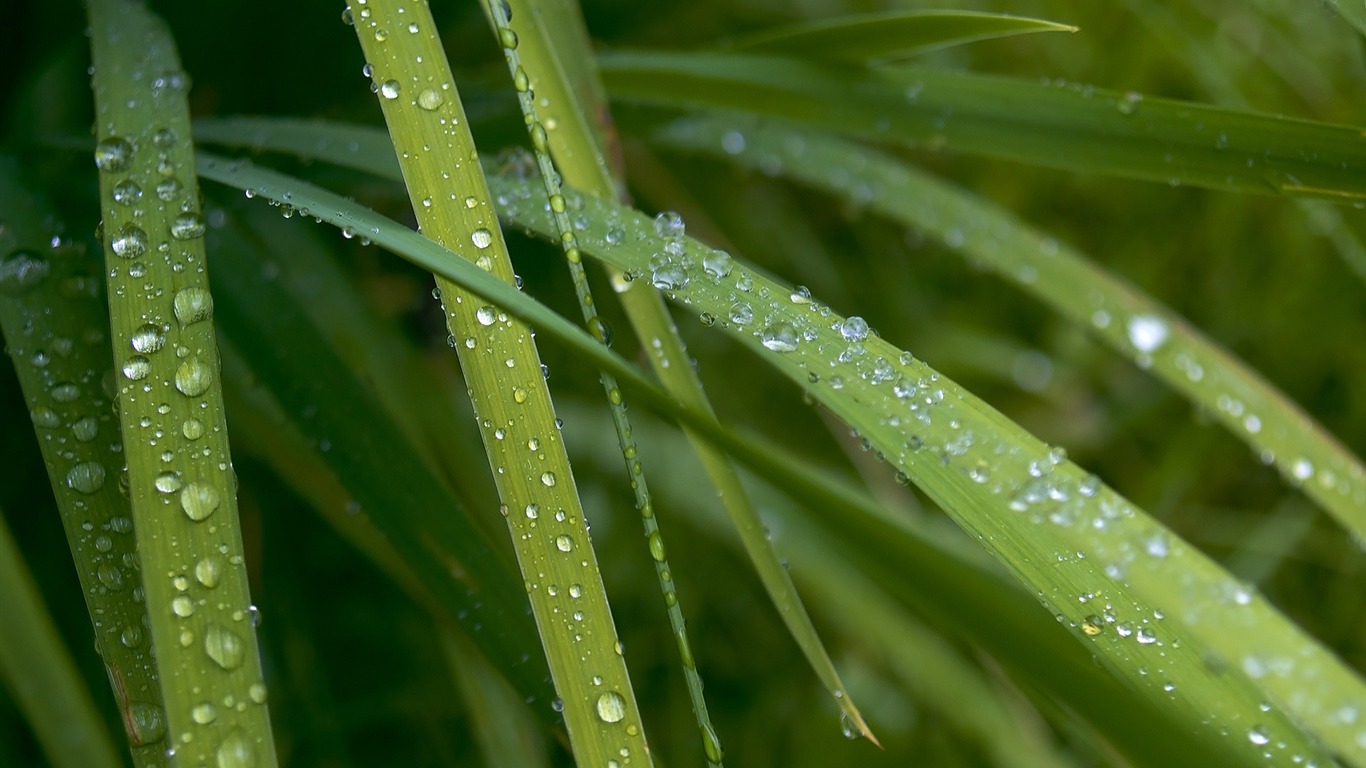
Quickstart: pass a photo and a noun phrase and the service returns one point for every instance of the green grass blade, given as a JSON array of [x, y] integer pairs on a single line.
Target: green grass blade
[[1156, 612], [580, 152], [461, 573], [1071, 127], [61, 363], [431, 137], [890, 36], [180, 478], [507, 736], [1128, 320], [36, 667], [499, 16], [1354, 12]]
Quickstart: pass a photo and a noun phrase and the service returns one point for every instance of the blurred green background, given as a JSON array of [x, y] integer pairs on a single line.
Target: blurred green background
[[351, 662]]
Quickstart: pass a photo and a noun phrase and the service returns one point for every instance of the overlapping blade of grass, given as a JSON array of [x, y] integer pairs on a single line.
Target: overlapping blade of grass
[[1057, 125], [935, 674], [890, 36], [431, 137], [336, 416], [499, 16], [1131, 322], [507, 736], [580, 154], [180, 479], [1352, 11], [55, 323], [1157, 613], [35, 666]]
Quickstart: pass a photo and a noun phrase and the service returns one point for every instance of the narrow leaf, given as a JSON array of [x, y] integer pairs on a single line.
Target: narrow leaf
[[878, 38]]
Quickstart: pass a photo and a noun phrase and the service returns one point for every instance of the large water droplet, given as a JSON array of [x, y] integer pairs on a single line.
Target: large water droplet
[[129, 241], [187, 226], [669, 224], [199, 500], [192, 305], [223, 646], [780, 337], [430, 99], [1147, 332], [193, 377], [204, 713], [564, 543], [136, 368], [235, 751], [486, 315], [548, 479], [127, 192], [148, 338], [145, 724], [718, 264], [209, 571], [21, 270], [854, 329], [112, 154], [657, 546], [389, 89], [86, 477], [611, 707]]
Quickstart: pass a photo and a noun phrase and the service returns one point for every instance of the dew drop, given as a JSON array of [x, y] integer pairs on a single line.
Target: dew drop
[[136, 368], [854, 329], [208, 571], [234, 751], [182, 606], [611, 707], [224, 647], [564, 543], [1147, 332], [148, 338], [780, 337], [548, 479], [192, 429], [112, 154], [718, 264], [389, 90], [86, 477], [204, 713], [482, 238], [129, 242], [430, 99], [21, 271], [669, 224], [741, 313], [486, 315], [127, 192], [192, 305], [187, 226], [168, 482], [1258, 735], [146, 724], [193, 377], [199, 500]]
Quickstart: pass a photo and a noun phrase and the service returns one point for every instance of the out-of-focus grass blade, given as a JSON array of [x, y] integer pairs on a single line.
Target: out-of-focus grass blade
[[1156, 612], [525, 453], [36, 667], [56, 326], [1129, 321], [1063, 125], [170, 400], [507, 736], [890, 36], [1351, 10]]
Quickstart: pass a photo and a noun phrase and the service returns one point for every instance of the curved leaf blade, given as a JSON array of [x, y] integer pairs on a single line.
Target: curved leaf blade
[[1064, 126], [889, 37]]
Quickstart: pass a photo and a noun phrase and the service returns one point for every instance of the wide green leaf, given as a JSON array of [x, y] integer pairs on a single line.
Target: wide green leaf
[[1053, 124]]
